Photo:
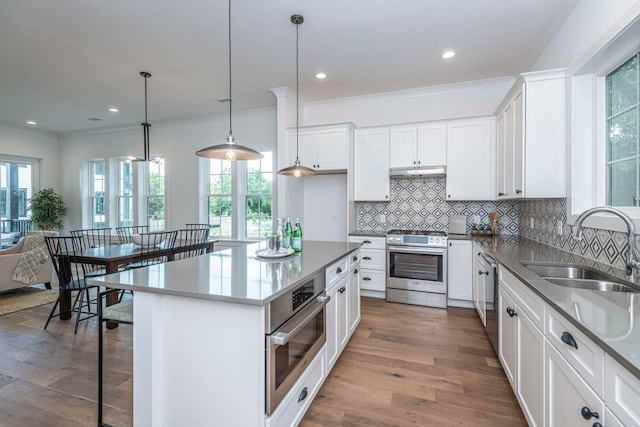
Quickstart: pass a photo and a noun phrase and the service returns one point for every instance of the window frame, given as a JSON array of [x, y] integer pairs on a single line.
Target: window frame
[[587, 142], [36, 164], [246, 194]]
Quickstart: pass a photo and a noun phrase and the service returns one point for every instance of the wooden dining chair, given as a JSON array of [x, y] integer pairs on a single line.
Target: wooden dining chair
[[124, 233], [151, 248], [93, 237], [71, 277]]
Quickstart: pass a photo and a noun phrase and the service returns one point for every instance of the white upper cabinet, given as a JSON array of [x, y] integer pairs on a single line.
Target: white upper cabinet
[[323, 148], [531, 137], [371, 165], [418, 145], [471, 159]]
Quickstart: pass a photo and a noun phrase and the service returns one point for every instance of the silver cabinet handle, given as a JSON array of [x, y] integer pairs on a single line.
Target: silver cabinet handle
[[284, 336]]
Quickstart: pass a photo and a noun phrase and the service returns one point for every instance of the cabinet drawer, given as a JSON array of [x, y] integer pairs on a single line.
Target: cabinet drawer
[[336, 270], [373, 258], [354, 259], [587, 359], [369, 242], [372, 280], [526, 299], [622, 393], [293, 406]]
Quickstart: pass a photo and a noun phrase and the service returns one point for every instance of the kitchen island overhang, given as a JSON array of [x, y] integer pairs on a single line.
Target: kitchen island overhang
[[199, 331]]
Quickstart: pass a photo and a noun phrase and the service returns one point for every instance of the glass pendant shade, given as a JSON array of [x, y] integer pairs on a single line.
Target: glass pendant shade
[[297, 170], [229, 150]]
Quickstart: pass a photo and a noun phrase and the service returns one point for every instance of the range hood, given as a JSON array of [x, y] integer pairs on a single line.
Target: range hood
[[427, 170]]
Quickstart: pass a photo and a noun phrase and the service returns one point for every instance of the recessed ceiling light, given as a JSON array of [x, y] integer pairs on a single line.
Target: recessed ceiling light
[[31, 122], [448, 54], [113, 110], [321, 76]]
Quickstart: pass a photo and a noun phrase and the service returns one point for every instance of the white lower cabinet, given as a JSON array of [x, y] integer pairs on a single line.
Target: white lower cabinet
[[570, 401], [560, 377], [293, 406], [343, 308], [479, 290], [521, 352], [373, 268], [459, 272]]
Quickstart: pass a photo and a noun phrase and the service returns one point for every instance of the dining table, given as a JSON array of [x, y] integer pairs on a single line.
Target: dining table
[[114, 257]]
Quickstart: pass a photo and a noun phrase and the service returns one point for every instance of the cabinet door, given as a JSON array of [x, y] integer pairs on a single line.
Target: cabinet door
[[402, 147], [530, 370], [508, 152], [331, 311], [331, 146], [501, 179], [343, 313], [307, 148], [517, 189], [432, 144], [460, 270], [471, 160], [371, 165], [354, 299], [507, 330], [478, 289], [568, 394]]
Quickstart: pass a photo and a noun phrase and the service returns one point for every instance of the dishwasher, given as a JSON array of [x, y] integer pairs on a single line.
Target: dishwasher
[[489, 268]]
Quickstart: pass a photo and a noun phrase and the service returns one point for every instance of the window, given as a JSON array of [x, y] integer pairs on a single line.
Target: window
[[120, 193], [156, 209], [220, 197], [258, 199], [97, 188], [125, 193], [239, 197], [17, 177], [623, 117]]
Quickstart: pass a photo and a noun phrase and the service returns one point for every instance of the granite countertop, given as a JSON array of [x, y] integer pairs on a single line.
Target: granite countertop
[[611, 319], [231, 275]]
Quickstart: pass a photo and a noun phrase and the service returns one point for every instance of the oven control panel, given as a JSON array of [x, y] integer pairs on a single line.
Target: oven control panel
[[411, 240]]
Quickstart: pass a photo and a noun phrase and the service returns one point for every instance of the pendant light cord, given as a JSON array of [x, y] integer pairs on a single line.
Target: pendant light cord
[[230, 99], [297, 97]]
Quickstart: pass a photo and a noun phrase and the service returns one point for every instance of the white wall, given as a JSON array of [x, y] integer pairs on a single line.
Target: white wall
[[177, 142], [591, 25], [36, 144], [468, 99]]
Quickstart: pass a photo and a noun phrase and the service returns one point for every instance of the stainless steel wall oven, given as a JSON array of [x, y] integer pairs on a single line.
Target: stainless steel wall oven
[[296, 331]]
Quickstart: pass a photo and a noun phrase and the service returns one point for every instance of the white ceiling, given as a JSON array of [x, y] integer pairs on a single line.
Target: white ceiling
[[64, 61]]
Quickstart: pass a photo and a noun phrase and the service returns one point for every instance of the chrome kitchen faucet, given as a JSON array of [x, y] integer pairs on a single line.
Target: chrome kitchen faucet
[[633, 261]]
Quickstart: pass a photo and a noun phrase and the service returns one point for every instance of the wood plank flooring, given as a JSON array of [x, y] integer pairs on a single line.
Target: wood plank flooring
[[416, 366], [404, 366]]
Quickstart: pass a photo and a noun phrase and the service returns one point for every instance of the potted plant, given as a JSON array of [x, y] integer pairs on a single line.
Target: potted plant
[[48, 210]]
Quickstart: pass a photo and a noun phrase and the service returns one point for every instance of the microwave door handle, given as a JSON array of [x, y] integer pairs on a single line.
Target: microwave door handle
[[416, 250], [281, 338]]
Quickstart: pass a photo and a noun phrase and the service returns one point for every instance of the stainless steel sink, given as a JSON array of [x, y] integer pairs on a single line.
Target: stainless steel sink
[[577, 276], [567, 271], [596, 285]]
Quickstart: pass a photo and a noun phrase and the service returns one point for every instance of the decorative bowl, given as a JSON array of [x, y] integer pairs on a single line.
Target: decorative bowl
[[146, 241]]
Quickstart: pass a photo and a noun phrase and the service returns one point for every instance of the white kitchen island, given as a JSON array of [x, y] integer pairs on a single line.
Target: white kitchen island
[[199, 334]]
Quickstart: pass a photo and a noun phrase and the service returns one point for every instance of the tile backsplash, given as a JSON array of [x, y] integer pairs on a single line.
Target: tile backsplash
[[609, 247], [420, 203]]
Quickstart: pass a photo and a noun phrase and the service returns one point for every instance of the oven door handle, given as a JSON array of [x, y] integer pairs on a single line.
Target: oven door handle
[[291, 328], [416, 250]]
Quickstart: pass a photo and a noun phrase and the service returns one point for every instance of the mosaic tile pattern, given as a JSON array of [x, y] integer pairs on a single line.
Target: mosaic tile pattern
[[419, 203], [609, 247]]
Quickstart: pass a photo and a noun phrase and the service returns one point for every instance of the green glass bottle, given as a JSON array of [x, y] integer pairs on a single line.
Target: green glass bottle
[[297, 236], [288, 235]]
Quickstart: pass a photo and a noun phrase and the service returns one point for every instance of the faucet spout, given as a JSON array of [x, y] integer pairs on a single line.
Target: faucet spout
[[633, 261]]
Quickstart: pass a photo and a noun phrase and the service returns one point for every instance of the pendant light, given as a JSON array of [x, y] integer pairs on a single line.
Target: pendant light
[[229, 150], [297, 170], [145, 126]]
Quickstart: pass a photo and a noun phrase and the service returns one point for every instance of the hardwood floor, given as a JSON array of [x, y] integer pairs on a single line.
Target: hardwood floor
[[416, 366], [404, 366]]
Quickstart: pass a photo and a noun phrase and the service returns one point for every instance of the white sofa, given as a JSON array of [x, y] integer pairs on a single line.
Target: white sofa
[[9, 260]]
